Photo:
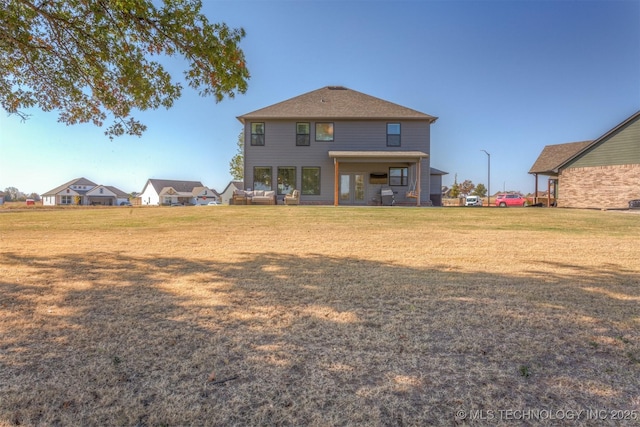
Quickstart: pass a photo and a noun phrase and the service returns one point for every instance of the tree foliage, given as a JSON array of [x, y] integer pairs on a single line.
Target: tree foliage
[[455, 188], [466, 187], [236, 165], [480, 190], [89, 59], [11, 194]]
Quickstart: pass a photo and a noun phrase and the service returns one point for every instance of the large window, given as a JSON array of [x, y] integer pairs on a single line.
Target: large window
[[398, 176], [311, 180], [257, 133], [324, 131], [393, 134], [262, 178], [302, 134], [66, 200], [286, 180]]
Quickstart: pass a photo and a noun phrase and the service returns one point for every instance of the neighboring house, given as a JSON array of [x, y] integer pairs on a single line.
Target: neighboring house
[[82, 191], [227, 194], [172, 192], [340, 147], [1, 198], [603, 173], [106, 195]]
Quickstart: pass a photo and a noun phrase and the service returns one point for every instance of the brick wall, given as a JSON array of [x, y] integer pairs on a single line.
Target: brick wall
[[609, 187]]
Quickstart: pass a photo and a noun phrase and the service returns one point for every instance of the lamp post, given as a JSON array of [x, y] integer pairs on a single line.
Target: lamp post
[[488, 177]]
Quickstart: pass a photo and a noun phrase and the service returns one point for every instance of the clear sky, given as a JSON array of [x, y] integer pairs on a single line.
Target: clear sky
[[508, 77]]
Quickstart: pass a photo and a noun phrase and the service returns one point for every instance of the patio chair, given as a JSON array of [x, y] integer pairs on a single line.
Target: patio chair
[[293, 198]]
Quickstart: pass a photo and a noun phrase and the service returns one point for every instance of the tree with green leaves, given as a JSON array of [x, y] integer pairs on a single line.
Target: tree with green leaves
[[455, 188], [480, 190], [236, 165], [90, 59]]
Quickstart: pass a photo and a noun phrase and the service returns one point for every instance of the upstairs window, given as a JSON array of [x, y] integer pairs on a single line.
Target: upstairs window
[[393, 134], [398, 176], [324, 132], [257, 133], [303, 136]]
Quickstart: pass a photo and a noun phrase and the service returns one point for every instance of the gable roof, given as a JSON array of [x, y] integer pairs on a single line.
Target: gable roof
[[116, 191], [236, 184], [179, 186], [604, 137], [336, 102], [553, 156], [434, 171], [77, 181], [198, 190]]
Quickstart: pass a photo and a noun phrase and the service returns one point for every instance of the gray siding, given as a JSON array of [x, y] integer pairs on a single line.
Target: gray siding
[[280, 150], [622, 148]]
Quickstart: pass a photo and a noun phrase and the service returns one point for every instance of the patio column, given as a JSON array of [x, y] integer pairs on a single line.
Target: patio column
[[418, 187], [336, 181]]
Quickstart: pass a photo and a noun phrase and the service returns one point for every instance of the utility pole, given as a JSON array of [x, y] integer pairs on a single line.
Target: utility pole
[[488, 177]]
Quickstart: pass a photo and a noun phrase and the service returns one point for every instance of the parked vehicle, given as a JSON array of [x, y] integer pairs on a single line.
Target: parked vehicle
[[473, 201], [30, 202], [504, 200], [125, 203]]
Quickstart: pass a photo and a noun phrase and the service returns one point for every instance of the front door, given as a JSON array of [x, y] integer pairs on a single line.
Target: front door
[[352, 189]]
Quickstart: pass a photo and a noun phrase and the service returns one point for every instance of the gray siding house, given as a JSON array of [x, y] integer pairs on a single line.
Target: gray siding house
[[603, 173], [341, 147]]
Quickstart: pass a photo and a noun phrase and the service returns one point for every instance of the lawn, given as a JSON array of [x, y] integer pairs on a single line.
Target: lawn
[[319, 316]]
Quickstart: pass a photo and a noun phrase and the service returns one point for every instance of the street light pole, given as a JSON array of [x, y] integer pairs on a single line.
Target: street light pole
[[488, 177]]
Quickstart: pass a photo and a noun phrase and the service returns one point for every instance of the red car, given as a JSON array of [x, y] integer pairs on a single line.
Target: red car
[[504, 200]]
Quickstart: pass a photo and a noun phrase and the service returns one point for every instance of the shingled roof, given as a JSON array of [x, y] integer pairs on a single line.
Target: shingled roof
[[179, 186], [553, 156], [336, 102], [77, 181]]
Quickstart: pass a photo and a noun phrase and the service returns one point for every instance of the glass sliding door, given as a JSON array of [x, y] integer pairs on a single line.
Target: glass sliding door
[[352, 189]]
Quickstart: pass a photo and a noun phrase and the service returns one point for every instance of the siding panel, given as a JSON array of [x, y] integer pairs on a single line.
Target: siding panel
[[280, 150], [622, 148]]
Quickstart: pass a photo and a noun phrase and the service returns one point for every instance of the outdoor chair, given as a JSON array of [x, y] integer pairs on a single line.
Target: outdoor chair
[[293, 198]]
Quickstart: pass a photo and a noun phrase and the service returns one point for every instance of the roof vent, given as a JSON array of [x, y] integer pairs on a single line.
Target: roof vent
[[337, 88]]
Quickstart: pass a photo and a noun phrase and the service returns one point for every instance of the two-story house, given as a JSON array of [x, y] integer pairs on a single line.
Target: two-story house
[[341, 147]]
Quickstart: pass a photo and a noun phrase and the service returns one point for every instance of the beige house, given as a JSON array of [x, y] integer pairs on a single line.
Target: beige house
[[603, 173]]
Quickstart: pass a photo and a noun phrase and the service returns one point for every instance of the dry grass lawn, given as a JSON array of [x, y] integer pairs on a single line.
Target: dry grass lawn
[[319, 316]]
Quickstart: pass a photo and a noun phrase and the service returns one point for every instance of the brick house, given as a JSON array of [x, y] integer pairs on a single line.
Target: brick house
[[341, 147], [603, 173]]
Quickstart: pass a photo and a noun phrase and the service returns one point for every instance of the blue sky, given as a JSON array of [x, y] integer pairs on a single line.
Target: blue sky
[[508, 77]]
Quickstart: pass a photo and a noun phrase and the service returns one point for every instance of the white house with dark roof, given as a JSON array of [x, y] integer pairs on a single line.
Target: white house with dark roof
[[172, 192], [81, 191], [341, 147], [227, 194]]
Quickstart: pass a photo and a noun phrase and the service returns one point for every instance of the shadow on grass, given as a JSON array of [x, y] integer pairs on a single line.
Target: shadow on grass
[[108, 338]]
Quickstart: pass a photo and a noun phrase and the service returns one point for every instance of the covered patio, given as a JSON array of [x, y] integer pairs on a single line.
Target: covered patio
[[374, 158]]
